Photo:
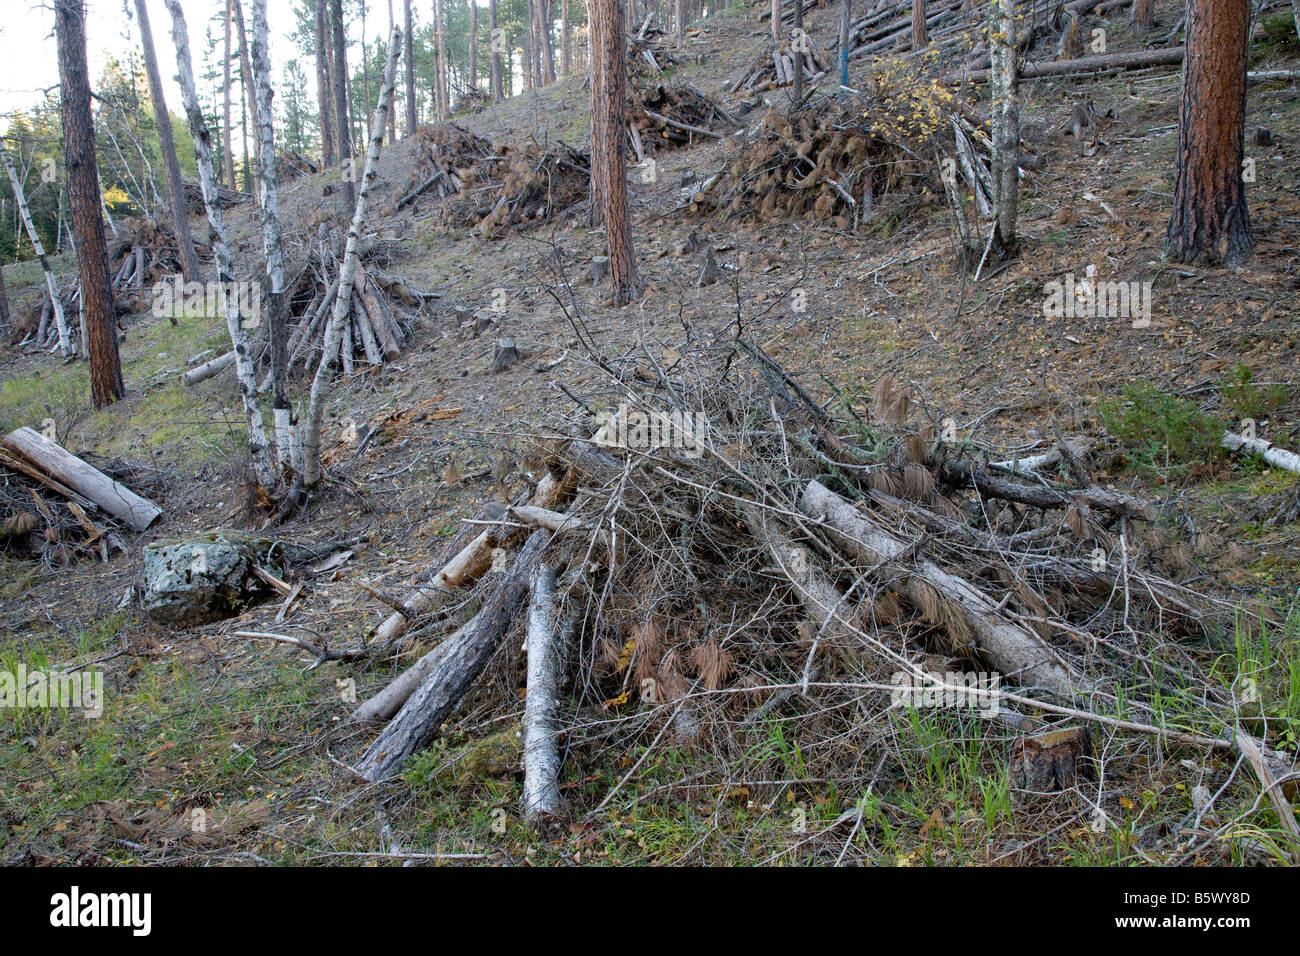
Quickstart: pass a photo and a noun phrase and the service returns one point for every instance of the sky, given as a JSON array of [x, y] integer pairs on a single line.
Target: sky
[[29, 57]]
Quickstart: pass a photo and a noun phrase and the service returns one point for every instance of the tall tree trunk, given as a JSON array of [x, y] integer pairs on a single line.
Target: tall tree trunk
[[246, 71], [392, 113], [440, 69], [473, 45], [323, 87], [20, 200], [341, 126], [609, 128], [496, 38], [244, 368], [596, 82], [1210, 221], [323, 383], [271, 245], [1144, 15], [776, 22], [1005, 127], [4, 299], [227, 150], [190, 268], [365, 74], [408, 67], [679, 16], [100, 322], [548, 45], [566, 39], [919, 39]]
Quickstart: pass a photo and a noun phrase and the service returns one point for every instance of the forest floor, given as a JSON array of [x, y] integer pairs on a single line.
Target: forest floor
[[203, 719]]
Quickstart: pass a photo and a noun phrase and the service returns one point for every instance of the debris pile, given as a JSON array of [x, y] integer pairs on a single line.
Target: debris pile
[[670, 117], [447, 156]]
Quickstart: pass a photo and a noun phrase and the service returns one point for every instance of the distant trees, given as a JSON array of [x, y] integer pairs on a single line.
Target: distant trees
[[99, 323], [1210, 222]]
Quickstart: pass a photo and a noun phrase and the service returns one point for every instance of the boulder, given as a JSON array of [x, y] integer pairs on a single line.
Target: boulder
[[203, 577]]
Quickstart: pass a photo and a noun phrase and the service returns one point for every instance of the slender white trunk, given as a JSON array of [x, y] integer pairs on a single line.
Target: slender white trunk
[[541, 728], [271, 243], [322, 385], [20, 197], [230, 303], [1005, 121]]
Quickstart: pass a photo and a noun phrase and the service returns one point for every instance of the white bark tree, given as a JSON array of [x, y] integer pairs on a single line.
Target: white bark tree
[[271, 244], [323, 383], [244, 368], [20, 197]]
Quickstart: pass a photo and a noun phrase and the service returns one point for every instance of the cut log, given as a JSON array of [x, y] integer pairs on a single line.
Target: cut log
[[599, 269], [366, 331], [506, 355], [418, 722], [377, 315], [1015, 651], [1087, 64], [466, 565], [389, 701], [1277, 457], [66, 468], [961, 474], [208, 369], [541, 797]]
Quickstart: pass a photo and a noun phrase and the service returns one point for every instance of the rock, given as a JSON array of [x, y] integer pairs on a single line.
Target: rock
[[202, 577]]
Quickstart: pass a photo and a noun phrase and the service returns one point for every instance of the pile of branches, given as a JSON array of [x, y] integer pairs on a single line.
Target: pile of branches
[[291, 164], [671, 117], [725, 550], [650, 51], [379, 314], [225, 197], [830, 165], [446, 157], [777, 68], [472, 101], [528, 184]]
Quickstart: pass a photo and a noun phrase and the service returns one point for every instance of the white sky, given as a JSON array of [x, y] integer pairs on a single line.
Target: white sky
[[29, 57]]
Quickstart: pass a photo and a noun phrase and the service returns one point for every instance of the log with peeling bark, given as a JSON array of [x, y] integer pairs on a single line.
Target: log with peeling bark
[[67, 469], [1275, 456], [208, 369], [541, 796], [1014, 650], [965, 473], [467, 565], [383, 705], [417, 723], [1088, 64]]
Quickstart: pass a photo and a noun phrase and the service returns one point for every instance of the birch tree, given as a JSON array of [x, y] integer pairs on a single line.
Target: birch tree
[[271, 244], [20, 198], [1005, 127], [230, 306], [323, 383]]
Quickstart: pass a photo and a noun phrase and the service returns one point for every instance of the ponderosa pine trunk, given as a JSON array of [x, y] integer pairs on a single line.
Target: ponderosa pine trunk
[[609, 130], [323, 87], [919, 39], [190, 268], [392, 113], [343, 131], [566, 39], [408, 68], [1210, 222], [495, 40], [1144, 15], [244, 368], [798, 46], [99, 322], [440, 66], [473, 45]]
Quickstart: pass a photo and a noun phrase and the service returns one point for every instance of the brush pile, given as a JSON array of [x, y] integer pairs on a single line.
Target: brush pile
[[447, 156], [671, 117], [725, 552], [777, 68], [379, 315], [649, 52], [531, 184], [473, 101]]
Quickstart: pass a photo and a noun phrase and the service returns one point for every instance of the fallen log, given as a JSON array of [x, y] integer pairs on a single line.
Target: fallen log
[[418, 722], [389, 701], [541, 796], [1015, 651], [962, 474], [1277, 457], [1088, 64], [208, 369], [66, 468]]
